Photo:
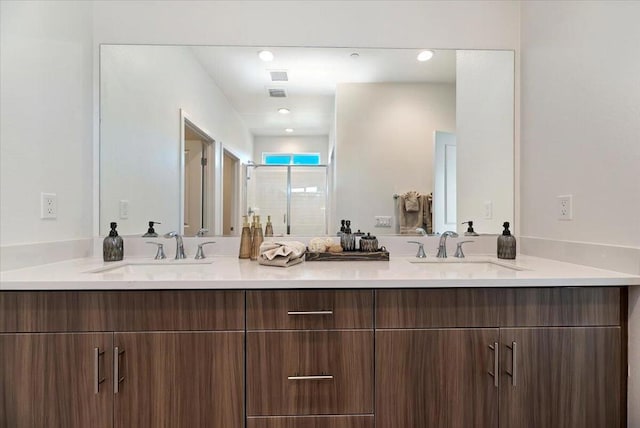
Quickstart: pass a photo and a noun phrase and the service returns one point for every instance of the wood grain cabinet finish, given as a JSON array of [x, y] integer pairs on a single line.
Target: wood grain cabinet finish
[[309, 309], [309, 373], [529, 307], [334, 421], [561, 377], [55, 311], [180, 310], [50, 380], [180, 380], [442, 378], [437, 308]]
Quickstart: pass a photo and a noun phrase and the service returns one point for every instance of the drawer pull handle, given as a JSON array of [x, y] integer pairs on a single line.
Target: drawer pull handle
[[318, 377], [96, 368], [310, 313]]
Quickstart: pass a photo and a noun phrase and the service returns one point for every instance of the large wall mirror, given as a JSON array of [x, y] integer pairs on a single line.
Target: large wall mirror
[[196, 136]]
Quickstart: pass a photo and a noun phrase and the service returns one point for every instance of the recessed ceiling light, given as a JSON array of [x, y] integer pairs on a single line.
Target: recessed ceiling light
[[266, 55], [284, 110], [425, 56], [289, 130], [354, 55]]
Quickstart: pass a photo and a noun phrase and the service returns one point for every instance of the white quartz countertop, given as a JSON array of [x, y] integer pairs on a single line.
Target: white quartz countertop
[[225, 272]]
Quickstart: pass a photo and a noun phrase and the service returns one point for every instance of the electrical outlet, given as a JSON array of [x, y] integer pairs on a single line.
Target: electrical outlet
[[48, 205], [383, 221], [124, 209], [488, 210], [565, 211]]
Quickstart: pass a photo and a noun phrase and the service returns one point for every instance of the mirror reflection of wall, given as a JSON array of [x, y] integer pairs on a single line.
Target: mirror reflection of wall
[[375, 113]]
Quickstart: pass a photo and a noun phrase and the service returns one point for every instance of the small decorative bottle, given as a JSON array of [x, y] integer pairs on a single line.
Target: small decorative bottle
[[245, 239], [257, 239], [268, 229], [113, 246], [506, 244]]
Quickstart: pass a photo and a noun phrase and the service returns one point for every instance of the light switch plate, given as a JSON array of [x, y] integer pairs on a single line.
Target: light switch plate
[[383, 221]]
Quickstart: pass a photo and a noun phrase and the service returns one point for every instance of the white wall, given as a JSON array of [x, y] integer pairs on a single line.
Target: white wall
[[485, 138], [293, 144], [385, 145], [580, 131], [580, 120], [45, 112], [143, 89]]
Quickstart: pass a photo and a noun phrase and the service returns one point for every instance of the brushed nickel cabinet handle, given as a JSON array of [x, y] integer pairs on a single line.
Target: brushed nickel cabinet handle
[[494, 373], [116, 369], [514, 363], [310, 313], [317, 377], [96, 369]]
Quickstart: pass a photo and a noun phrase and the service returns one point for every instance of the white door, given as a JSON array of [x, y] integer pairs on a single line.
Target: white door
[[444, 193]]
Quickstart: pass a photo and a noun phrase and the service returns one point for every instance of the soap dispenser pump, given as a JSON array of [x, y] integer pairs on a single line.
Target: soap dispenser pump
[[506, 243], [151, 233], [257, 239], [268, 229], [245, 239], [113, 246], [470, 231]]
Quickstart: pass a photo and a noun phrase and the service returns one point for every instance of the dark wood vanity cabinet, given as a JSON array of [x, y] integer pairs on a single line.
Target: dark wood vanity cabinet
[[525, 358], [122, 359], [310, 359], [390, 358]]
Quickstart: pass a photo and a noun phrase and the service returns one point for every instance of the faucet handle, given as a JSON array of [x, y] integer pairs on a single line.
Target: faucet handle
[[160, 253], [202, 232], [459, 254], [421, 254], [200, 252]]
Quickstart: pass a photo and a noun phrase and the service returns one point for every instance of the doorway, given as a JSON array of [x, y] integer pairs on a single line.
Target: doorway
[[230, 193], [444, 192], [198, 213]]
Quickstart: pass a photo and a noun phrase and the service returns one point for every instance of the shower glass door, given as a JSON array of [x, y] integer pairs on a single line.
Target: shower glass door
[[294, 196]]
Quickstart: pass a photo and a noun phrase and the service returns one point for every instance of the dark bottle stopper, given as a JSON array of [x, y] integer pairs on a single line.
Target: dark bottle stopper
[[506, 230], [113, 232], [342, 228]]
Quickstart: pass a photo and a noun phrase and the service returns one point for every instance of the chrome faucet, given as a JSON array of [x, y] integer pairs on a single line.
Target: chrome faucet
[[442, 246], [179, 244]]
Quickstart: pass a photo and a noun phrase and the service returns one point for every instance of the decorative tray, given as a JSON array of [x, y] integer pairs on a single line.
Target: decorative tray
[[348, 256]]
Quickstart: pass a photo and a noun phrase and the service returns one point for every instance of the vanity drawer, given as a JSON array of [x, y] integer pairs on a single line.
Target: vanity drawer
[[56, 311], [309, 373], [437, 308], [309, 309], [171, 310], [339, 421], [563, 306]]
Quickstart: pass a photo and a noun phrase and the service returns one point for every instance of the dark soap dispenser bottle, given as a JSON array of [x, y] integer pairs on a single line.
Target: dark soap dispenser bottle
[[113, 246], [506, 243]]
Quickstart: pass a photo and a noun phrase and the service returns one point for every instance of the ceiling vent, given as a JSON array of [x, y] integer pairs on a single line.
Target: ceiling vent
[[279, 76], [277, 93]]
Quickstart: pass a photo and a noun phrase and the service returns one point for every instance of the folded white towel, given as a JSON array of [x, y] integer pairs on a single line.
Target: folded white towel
[[282, 254], [411, 203]]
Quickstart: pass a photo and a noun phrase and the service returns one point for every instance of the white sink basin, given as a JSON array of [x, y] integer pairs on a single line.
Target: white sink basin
[[159, 268], [464, 266]]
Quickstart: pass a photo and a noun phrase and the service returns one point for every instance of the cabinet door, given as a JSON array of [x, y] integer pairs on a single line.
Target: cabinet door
[[561, 377], [436, 378], [50, 380], [179, 379]]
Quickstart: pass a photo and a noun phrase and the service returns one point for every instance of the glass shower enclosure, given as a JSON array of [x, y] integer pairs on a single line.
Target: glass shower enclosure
[[295, 197]]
